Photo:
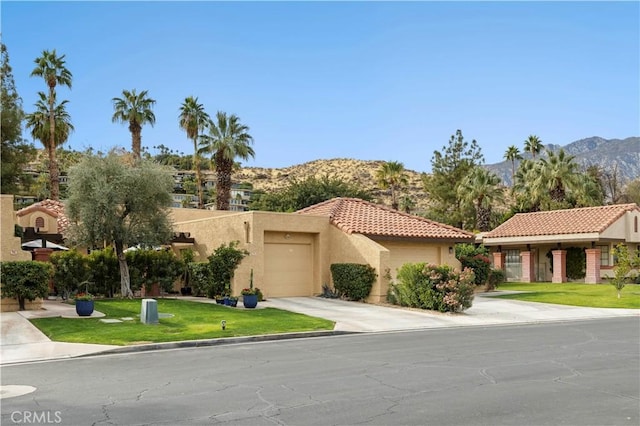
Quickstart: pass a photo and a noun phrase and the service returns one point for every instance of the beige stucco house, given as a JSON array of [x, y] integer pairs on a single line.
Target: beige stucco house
[[521, 244], [291, 253]]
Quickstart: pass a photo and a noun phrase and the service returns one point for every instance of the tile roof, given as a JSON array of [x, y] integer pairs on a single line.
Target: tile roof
[[558, 222], [353, 215], [53, 208]]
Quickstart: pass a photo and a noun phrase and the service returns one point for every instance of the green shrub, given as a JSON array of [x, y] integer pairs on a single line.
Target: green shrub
[[353, 280], [104, 272], [432, 287], [70, 271], [199, 277], [223, 263], [496, 277], [576, 263], [25, 280], [148, 267], [476, 258]]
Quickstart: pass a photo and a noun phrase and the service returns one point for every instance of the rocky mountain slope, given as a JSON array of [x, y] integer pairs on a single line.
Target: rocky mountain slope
[[625, 153]]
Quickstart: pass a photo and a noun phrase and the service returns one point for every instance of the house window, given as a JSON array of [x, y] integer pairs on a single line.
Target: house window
[[39, 222], [604, 255]]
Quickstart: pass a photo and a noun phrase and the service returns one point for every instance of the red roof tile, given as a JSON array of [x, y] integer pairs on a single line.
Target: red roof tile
[[558, 222], [353, 215], [51, 207]]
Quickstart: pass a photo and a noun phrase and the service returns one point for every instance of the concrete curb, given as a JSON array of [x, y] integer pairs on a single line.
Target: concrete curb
[[217, 342]]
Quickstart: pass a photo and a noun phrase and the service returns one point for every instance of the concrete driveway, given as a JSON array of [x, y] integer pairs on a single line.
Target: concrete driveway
[[486, 310]]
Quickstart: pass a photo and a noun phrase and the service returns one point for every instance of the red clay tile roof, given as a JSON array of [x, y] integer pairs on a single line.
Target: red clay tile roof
[[558, 222], [53, 208], [353, 215]]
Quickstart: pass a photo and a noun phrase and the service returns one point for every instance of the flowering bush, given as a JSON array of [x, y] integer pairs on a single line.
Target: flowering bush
[[249, 291], [476, 258], [84, 296], [433, 287]]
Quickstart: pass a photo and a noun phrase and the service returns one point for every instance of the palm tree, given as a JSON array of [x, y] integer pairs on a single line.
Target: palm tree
[[392, 175], [135, 109], [559, 173], [512, 154], [51, 68], [227, 139], [39, 122], [407, 204], [533, 145], [529, 188], [481, 188], [193, 120]]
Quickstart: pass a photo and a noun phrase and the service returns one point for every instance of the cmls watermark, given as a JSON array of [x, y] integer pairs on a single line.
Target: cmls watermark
[[36, 417]]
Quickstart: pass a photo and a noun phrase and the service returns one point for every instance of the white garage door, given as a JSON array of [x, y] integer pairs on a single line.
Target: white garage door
[[288, 270]]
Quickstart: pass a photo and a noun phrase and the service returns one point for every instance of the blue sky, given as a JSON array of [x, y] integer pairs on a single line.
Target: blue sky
[[320, 80]]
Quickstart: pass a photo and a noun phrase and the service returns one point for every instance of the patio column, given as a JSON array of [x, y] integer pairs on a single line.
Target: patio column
[[528, 270], [593, 266], [559, 266], [499, 260]]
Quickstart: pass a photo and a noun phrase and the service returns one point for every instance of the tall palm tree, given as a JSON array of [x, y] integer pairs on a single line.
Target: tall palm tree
[[392, 175], [193, 120], [135, 109], [227, 139], [39, 122], [533, 145], [528, 187], [52, 69], [512, 154], [559, 173], [481, 188]]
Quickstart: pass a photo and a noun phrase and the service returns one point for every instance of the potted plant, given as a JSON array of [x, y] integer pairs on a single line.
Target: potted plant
[[233, 301], [219, 299], [250, 295], [84, 304]]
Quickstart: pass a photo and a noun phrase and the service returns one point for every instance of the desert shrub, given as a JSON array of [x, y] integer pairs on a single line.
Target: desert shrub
[[25, 280], [328, 292], [476, 258], [104, 272], [433, 287], [353, 280], [496, 277], [70, 271]]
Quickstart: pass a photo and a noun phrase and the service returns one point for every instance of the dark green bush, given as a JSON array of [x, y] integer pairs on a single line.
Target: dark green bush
[[576, 262], [476, 258], [199, 277], [496, 277], [25, 280], [223, 263], [148, 267], [432, 287], [70, 272], [104, 272], [353, 280]]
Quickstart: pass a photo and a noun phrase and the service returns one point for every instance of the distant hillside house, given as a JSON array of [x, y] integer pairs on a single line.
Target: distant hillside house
[[527, 244]]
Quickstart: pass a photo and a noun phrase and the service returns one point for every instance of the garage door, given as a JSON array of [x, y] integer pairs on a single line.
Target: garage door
[[410, 253], [288, 270]]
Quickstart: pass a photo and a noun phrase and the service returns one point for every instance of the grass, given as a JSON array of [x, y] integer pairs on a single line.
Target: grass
[[588, 295], [190, 321]]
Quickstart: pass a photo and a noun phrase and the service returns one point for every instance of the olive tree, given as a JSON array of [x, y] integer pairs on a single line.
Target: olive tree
[[121, 201]]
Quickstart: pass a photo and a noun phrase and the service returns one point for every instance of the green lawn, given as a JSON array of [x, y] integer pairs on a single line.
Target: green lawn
[[190, 321], [590, 295]]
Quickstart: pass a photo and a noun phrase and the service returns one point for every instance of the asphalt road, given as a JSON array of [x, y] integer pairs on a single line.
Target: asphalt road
[[570, 373]]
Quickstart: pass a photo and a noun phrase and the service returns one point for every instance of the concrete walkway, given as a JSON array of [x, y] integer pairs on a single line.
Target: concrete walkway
[[22, 342]]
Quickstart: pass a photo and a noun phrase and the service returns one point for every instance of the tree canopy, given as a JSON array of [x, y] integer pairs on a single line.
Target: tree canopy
[[113, 202]]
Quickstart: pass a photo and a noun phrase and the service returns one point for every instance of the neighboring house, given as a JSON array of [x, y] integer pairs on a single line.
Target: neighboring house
[[291, 253], [11, 250], [525, 244]]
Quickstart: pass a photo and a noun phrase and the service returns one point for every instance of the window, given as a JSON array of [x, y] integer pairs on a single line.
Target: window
[[39, 222], [604, 255]]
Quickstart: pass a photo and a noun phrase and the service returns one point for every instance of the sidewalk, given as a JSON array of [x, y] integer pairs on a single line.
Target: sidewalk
[[23, 342]]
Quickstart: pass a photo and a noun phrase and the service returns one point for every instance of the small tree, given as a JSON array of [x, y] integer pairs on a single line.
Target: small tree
[[626, 262], [223, 263], [26, 280], [70, 270], [150, 267]]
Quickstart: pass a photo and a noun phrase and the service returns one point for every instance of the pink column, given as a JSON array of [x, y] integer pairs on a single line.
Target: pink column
[[593, 266], [559, 266], [498, 260], [528, 270]]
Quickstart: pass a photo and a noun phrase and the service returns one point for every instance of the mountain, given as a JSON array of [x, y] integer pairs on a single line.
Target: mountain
[[605, 153]]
